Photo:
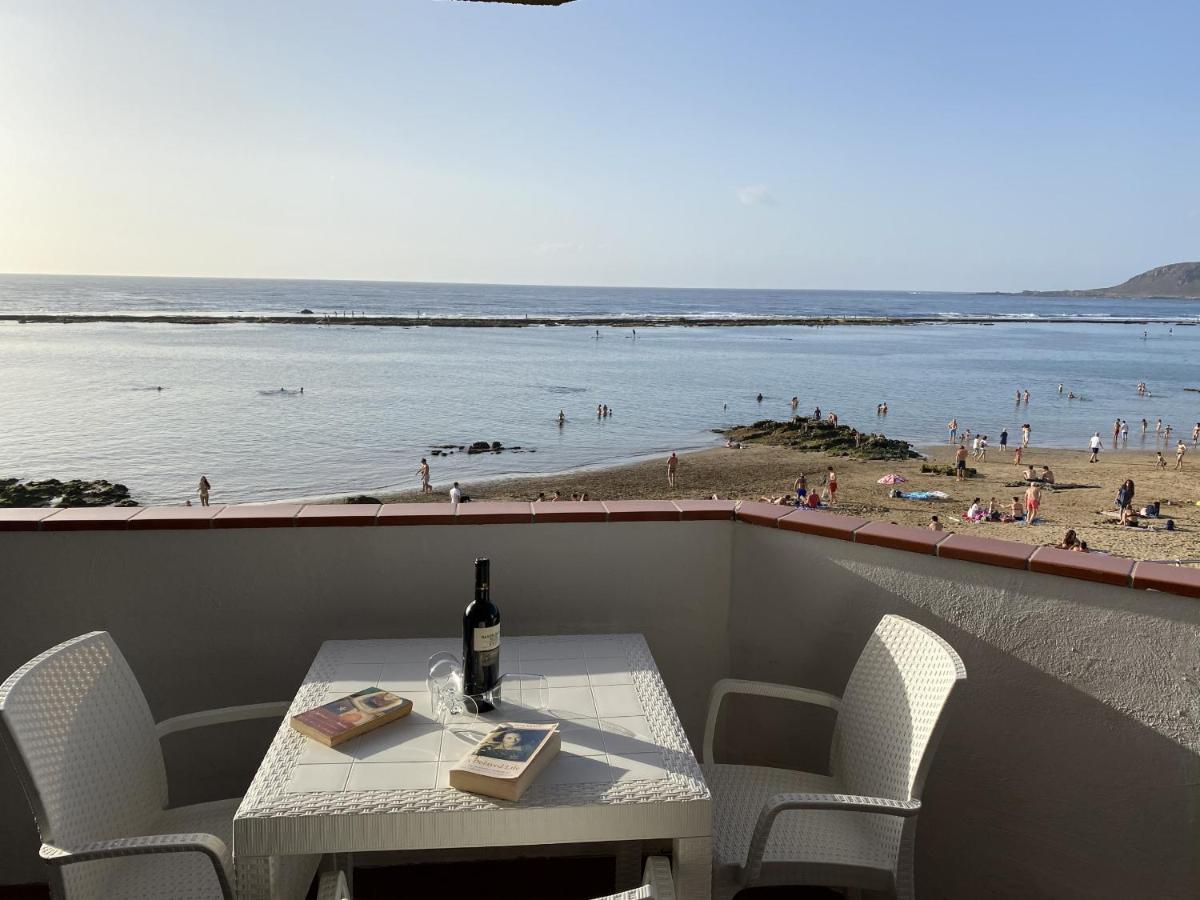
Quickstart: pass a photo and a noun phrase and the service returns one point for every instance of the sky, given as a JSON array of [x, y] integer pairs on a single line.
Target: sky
[[773, 143]]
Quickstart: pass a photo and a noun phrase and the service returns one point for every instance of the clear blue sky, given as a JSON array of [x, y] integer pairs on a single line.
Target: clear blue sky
[[786, 143]]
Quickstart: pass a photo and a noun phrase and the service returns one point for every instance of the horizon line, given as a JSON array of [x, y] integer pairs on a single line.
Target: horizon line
[[624, 287]]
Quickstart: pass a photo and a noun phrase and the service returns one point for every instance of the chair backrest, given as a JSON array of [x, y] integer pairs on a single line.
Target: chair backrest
[[888, 725], [82, 739]]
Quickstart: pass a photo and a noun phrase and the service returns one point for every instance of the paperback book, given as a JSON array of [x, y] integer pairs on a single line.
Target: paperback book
[[347, 717], [507, 760]]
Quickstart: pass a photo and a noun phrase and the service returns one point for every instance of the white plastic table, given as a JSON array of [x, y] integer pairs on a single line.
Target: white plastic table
[[625, 771]]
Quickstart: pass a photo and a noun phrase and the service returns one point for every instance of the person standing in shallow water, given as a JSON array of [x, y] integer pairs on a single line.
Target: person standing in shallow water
[[202, 489]]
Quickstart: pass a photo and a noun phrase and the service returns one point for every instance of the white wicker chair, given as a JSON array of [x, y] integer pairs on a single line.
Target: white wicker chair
[[86, 749], [855, 827]]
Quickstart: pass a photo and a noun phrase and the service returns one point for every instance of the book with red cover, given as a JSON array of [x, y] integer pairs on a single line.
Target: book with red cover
[[348, 717]]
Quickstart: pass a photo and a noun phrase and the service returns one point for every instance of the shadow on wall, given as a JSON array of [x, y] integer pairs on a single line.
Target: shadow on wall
[[1038, 789]]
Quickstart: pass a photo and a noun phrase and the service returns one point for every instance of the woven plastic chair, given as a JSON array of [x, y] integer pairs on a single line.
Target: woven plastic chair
[[86, 750], [856, 827]]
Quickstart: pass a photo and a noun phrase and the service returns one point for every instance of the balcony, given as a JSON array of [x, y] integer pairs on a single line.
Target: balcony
[[1068, 766]]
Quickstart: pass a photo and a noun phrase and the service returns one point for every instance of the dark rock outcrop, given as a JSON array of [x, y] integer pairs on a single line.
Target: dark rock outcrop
[[822, 436], [52, 492]]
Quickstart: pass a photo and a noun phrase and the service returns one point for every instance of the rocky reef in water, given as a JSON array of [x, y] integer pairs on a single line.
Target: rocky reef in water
[[821, 436], [52, 492]]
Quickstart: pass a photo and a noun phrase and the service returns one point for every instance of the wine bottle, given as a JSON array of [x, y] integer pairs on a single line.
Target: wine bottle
[[481, 640]]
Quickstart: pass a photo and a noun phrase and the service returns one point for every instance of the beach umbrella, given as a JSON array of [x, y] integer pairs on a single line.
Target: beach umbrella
[[893, 478]]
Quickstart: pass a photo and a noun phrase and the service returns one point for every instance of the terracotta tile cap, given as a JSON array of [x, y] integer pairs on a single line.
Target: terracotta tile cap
[[758, 513], [91, 518], [1154, 576], [487, 512], [569, 511], [416, 514], [641, 511], [899, 537], [175, 517], [338, 514], [991, 551], [1088, 566], [826, 524], [258, 516], [705, 509], [25, 518]]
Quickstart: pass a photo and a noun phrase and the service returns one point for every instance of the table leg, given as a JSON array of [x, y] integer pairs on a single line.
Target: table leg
[[253, 877], [693, 868]]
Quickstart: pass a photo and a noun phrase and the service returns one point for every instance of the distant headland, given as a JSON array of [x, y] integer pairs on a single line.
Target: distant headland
[[1176, 281]]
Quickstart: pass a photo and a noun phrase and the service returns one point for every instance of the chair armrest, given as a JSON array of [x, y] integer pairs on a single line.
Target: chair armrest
[[727, 686], [210, 845], [839, 802], [332, 886], [222, 716]]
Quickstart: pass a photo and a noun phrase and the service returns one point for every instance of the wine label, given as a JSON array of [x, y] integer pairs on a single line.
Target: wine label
[[486, 639]]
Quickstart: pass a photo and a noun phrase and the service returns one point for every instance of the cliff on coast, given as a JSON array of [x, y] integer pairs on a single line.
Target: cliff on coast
[[1176, 281]]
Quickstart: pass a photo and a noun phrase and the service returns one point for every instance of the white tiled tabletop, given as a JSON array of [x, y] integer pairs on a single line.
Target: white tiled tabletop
[[624, 766]]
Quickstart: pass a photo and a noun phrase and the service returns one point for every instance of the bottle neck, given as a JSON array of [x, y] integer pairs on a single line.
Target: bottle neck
[[483, 590]]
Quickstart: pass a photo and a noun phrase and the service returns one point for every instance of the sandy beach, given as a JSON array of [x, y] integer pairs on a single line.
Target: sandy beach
[[757, 472]]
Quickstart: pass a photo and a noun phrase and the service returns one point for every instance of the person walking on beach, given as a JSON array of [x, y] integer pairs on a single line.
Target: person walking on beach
[[952, 427], [975, 447], [801, 488], [1159, 462], [203, 488], [1017, 455], [1004, 440], [960, 463], [831, 485], [1180, 450], [1095, 444], [672, 467], [983, 449], [423, 473], [1033, 501], [1025, 429], [1196, 434]]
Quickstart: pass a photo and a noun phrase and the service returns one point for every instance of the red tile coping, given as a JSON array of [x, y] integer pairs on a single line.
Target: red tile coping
[[1152, 576], [24, 519], [486, 512], [826, 524], [1087, 566], [338, 514], [416, 514], [569, 511], [692, 510], [175, 517], [990, 551], [641, 511], [758, 513], [900, 537], [265, 516], [91, 518]]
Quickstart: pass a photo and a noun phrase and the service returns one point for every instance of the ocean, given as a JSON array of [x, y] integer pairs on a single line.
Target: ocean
[[82, 400]]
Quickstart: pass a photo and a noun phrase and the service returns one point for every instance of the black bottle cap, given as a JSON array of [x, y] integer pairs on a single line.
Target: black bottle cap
[[483, 567]]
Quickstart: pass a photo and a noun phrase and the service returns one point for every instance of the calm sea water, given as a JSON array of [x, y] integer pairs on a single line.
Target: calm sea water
[[81, 400]]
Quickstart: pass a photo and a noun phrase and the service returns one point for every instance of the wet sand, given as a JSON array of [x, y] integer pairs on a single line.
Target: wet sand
[[758, 472]]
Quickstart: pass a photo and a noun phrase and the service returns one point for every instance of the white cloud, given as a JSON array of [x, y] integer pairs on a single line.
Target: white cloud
[[754, 195]]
